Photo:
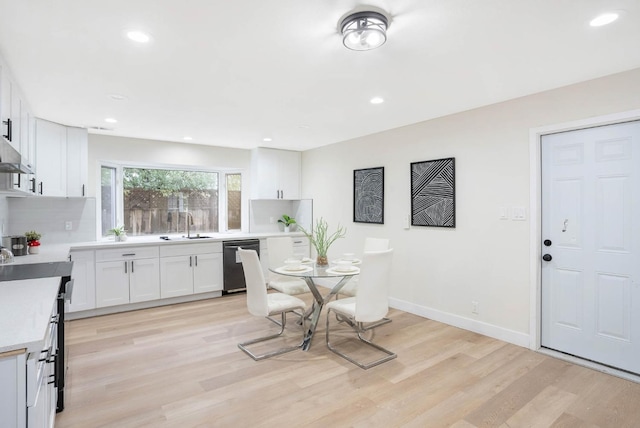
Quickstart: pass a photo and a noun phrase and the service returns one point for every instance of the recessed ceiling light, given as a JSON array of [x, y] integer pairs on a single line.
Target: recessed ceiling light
[[267, 139], [110, 120], [604, 19], [138, 36], [376, 100], [117, 97], [187, 138]]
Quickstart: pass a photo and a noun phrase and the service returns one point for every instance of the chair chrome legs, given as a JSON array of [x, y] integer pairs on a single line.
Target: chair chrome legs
[[282, 323], [360, 329]]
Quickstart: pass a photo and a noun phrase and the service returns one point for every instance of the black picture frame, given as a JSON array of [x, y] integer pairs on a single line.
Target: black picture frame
[[368, 195], [433, 193]]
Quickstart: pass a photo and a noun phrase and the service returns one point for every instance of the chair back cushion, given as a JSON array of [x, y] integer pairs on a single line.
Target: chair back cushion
[[256, 285], [376, 244], [372, 298], [278, 250]]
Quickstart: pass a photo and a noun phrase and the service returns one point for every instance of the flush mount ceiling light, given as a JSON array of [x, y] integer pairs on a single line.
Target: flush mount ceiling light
[[110, 120], [362, 31]]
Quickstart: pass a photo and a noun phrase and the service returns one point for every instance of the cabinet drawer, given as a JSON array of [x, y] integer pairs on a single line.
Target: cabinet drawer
[[190, 249], [127, 253]]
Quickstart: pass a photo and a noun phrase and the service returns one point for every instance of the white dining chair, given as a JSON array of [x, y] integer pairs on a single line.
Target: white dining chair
[[370, 244], [279, 249], [370, 304], [263, 304]]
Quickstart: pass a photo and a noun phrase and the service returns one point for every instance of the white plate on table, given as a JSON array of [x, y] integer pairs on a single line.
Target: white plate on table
[[343, 270], [306, 261], [352, 261], [291, 269]]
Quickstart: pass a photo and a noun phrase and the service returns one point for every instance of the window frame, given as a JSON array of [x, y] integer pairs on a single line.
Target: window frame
[[119, 168]]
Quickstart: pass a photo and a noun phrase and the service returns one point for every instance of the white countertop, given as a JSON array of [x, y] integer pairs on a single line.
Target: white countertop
[[25, 312], [60, 252], [175, 240]]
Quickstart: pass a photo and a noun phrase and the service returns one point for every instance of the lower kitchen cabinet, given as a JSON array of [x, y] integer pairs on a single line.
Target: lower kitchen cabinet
[[190, 269], [127, 275], [84, 281]]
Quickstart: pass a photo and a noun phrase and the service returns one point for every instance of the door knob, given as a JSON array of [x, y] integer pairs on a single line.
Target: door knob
[[547, 242], [547, 257]]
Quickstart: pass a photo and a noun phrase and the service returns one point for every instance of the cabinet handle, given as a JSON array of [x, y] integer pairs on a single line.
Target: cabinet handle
[[18, 185], [125, 267], [83, 190], [128, 254], [190, 261], [41, 187], [132, 271], [33, 185], [196, 261], [8, 134]]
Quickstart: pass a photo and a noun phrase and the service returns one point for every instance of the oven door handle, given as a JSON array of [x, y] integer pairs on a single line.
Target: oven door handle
[[68, 294]]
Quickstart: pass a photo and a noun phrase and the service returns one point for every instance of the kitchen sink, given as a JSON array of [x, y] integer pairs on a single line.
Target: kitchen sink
[[167, 238]]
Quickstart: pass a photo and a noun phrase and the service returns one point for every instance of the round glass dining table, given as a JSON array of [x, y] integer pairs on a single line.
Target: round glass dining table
[[310, 273]]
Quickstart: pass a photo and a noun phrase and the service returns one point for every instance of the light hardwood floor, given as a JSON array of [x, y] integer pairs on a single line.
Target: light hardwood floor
[[179, 366]]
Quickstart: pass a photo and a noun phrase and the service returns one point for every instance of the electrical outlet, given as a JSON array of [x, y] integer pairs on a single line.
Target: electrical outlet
[[474, 307], [68, 225], [272, 220]]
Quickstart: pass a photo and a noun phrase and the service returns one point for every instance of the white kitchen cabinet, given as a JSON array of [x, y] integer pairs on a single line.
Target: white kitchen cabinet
[[84, 281], [61, 159], [190, 269], [51, 158], [127, 275], [112, 283], [275, 174], [77, 155], [13, 402], [207, 273]]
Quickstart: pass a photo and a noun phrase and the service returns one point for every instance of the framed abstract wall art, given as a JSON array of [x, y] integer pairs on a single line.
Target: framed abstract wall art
[[368, 195], [433, 191]]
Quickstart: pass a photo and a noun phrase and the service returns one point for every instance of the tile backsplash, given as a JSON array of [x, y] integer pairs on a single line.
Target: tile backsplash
[[50, 217]]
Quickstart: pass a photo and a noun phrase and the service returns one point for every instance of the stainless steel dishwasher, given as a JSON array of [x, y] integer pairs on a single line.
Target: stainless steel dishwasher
[[233, 272]]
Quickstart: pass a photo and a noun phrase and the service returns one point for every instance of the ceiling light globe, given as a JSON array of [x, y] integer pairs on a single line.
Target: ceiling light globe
[[363, 31]]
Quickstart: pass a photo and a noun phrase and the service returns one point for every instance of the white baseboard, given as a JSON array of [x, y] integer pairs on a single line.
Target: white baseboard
[[486, 329]]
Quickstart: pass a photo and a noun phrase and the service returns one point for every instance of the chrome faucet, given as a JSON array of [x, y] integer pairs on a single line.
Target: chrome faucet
[[189, 220]]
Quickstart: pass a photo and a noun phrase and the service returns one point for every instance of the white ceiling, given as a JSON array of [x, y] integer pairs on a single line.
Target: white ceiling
[[229, 73]]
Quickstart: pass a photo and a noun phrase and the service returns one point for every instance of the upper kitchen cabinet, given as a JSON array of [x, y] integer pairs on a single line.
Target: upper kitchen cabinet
[[77, 155], [61, 159], [15, 114], [275, 174], [51, 158]]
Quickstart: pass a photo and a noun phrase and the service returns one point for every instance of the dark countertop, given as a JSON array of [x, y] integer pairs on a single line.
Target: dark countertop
[[11, 272]]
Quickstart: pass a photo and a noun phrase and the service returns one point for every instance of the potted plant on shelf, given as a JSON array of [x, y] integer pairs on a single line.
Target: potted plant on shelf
[[322, 240], [33, 241], [120, 233], [287, 221]]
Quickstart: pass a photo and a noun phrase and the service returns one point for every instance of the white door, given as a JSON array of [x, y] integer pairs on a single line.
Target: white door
[[591, 234]]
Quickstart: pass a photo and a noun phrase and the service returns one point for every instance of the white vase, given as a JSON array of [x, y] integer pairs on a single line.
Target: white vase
[[286, 229], [34, 249]]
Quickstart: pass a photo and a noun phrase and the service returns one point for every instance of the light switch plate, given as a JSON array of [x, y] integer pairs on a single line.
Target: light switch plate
[[518, 213], [503, 213], [68, 225]]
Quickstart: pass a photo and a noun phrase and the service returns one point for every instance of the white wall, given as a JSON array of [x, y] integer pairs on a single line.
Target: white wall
[[438, 272]]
